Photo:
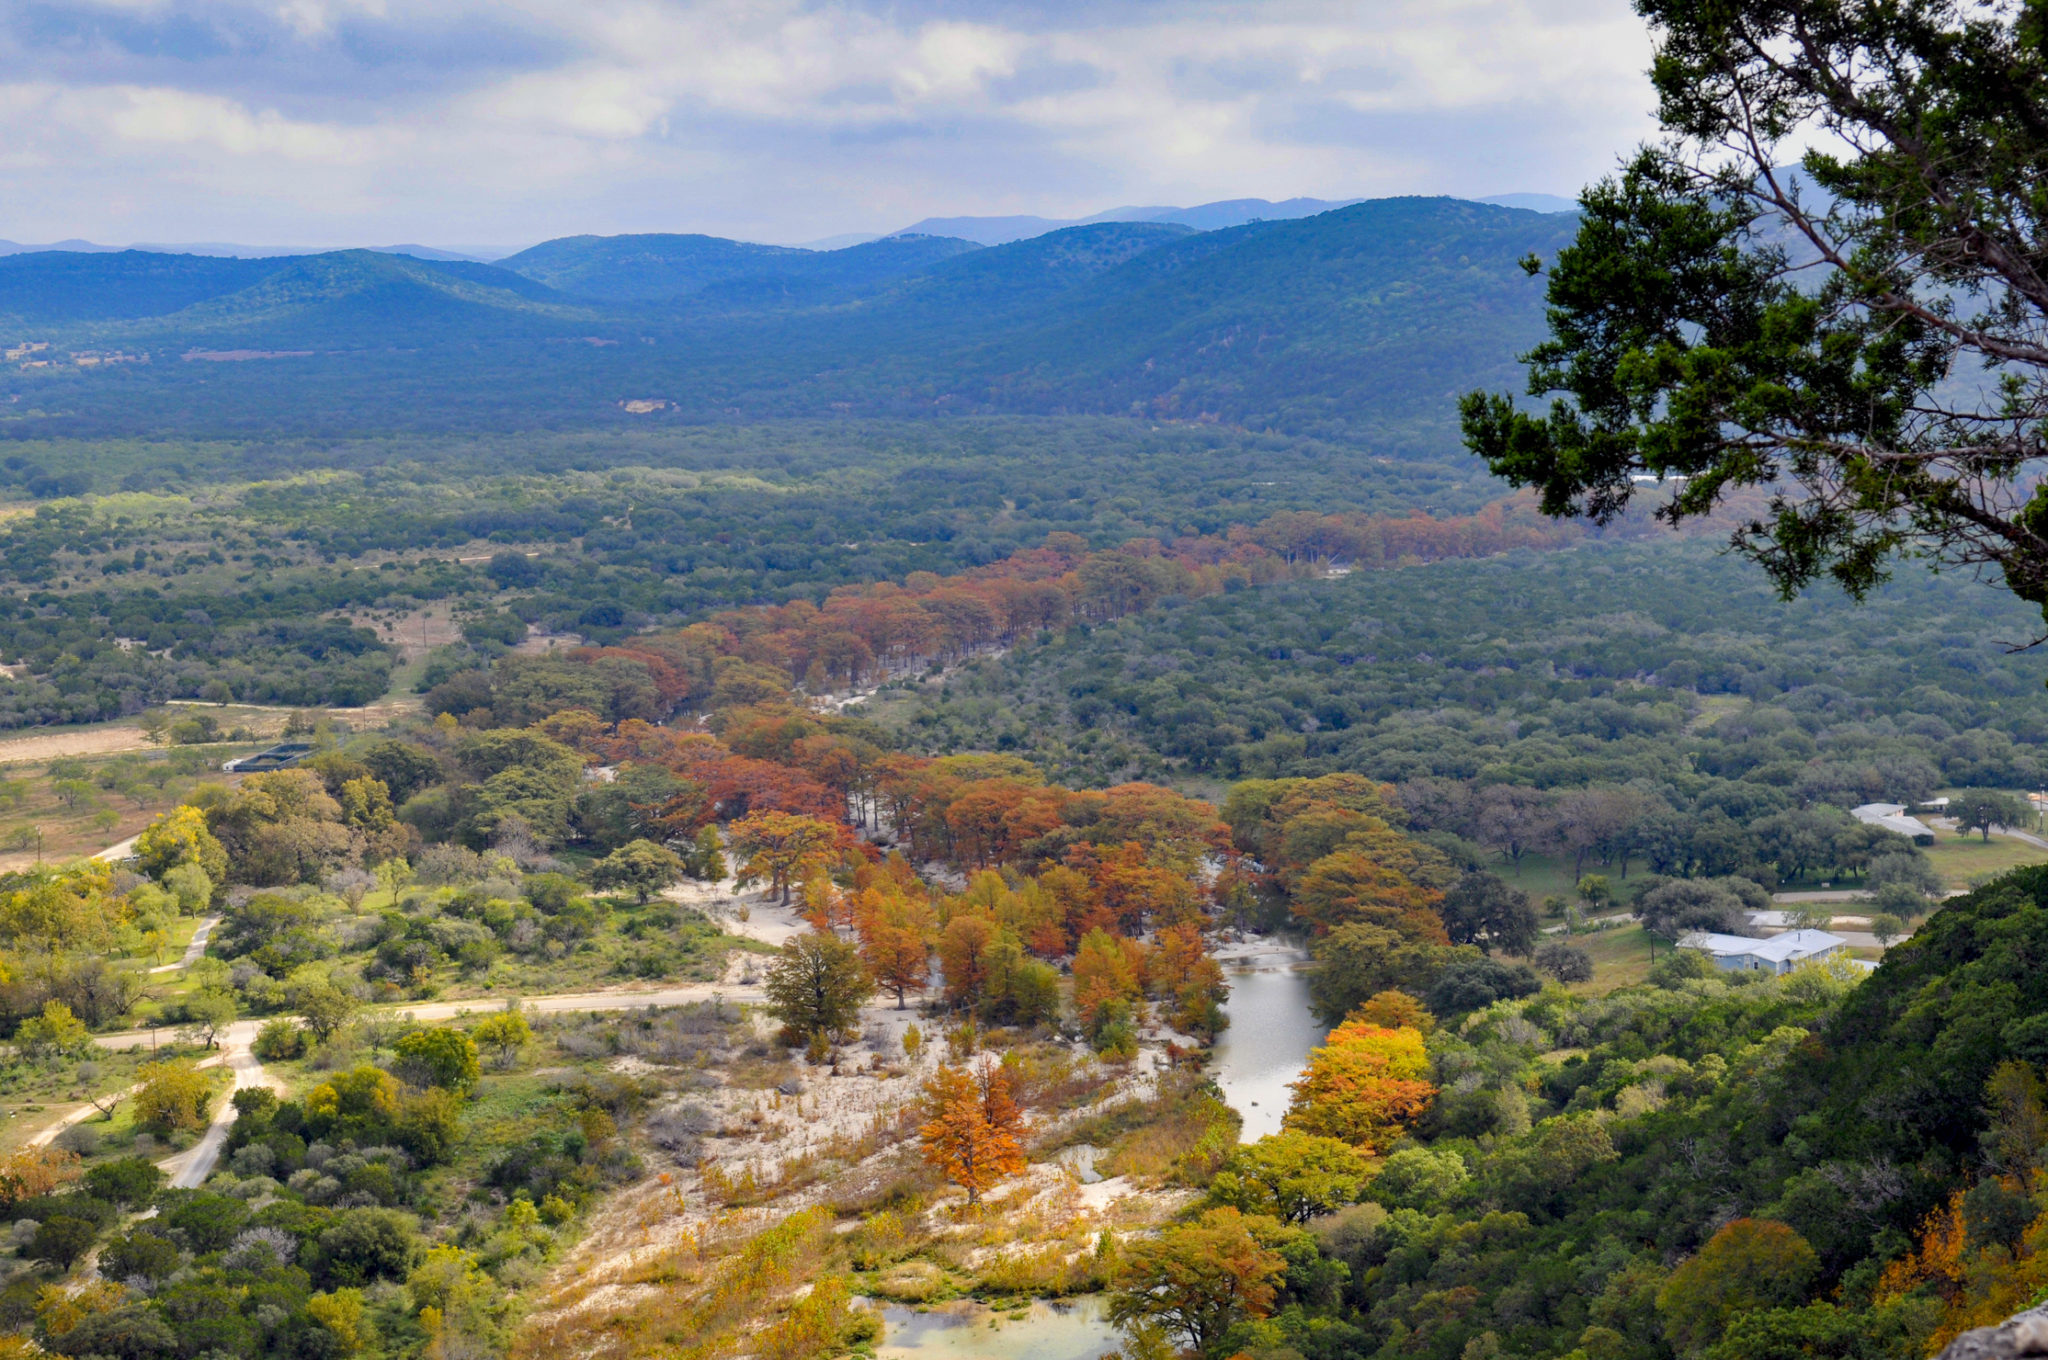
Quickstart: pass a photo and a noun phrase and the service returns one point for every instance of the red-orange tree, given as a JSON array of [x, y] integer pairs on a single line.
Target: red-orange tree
[[1364, 1085], [973, 1127]]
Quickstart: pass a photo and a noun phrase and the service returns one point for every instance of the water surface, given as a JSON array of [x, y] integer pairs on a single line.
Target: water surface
[[1062, 1329], [1267, 1044]]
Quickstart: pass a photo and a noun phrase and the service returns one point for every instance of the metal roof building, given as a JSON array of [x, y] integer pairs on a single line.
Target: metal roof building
[[1778, 954]]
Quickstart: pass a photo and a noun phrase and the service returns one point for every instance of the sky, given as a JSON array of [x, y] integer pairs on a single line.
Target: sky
[[505, 122]]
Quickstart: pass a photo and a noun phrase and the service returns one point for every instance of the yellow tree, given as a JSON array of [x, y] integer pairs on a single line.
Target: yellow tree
[[1365, 1086], [973, 1126], [781, 846], [178, 837]]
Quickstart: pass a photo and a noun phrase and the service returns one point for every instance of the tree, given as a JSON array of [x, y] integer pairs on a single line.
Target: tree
[[781, 847], [896, 943], [1419, 1178], [172, 1096], [816, 986], [963, 946], [640, 867], [61, 1239], [1482, 909], [1750, 1264], [1365, 1085], [1982, 809], [1565, 962], [1860, 338], [56, 1032], [973, 1126], [1357, 961], [208, 1011], [180, 836], [1197, 1280], [1681, 906], [1886, 928], [437, 1057], [1106, 985], [505, 1033], [324, 1006], [129, 1181], [29, 1172], [1291, 1176]]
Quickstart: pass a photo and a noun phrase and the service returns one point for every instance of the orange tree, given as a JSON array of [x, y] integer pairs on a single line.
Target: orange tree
[[1195, 1281], [1365, 1085], [896, 932], [973, 1126], [782, 846]]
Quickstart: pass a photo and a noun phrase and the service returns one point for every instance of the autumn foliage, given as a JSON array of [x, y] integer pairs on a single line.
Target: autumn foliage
[[973, 1126], [1365, 1086]]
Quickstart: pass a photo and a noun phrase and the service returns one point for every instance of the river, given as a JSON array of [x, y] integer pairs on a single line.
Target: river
[[1268, 1041], [1066, 1329]]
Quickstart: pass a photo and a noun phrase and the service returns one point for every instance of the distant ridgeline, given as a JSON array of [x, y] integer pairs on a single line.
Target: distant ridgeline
[[1368, 319]]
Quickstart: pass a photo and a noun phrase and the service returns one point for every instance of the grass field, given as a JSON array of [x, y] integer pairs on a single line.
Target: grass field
[[1960, 862], [1621, 958]]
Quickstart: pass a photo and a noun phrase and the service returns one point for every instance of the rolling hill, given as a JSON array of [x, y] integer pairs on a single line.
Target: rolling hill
[[1358, 322], [657, 268]]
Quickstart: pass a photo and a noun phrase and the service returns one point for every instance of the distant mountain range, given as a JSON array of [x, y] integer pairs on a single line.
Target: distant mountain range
[[1363, 321], [983, 231]]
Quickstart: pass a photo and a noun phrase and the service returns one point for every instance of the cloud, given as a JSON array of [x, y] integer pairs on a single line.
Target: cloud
[[509, 121]]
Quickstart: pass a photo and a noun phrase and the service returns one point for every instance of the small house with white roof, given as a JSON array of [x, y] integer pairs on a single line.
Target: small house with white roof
[[1778, 954], [1892, 817]]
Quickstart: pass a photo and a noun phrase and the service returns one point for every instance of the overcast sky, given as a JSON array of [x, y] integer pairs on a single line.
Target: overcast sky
[[464, 122]]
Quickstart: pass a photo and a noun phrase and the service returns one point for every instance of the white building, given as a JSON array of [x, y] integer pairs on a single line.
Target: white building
[[1892, 817], [1778, 954]]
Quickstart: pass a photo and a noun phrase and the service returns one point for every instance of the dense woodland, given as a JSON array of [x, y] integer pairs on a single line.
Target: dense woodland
[[1024, 633]]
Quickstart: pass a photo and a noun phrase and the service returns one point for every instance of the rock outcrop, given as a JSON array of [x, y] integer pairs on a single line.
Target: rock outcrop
[[2023, 1335]]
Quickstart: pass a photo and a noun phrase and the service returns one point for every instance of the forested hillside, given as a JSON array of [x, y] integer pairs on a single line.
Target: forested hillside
[[1361, 323]]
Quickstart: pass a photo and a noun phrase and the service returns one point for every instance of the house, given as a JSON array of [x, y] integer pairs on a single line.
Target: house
[[1892, 817], [1778, 954], [280, 757]]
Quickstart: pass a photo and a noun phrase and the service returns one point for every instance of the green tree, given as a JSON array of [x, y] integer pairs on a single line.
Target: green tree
[[1728, 320], [1980, 810], [1482, 909], [438, 1057], [817, 985], [208, 1011], [324, 1006], [1418, 1178], [1290, 1176], [53, 1033], [640, 867], [61, 1239], [1886, 928], [1750, 1264], [1195, 1281], [505, 1034]]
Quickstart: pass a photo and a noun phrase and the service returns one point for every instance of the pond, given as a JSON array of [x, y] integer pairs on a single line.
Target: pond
[[1268, 1041], [1060, 1329]]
